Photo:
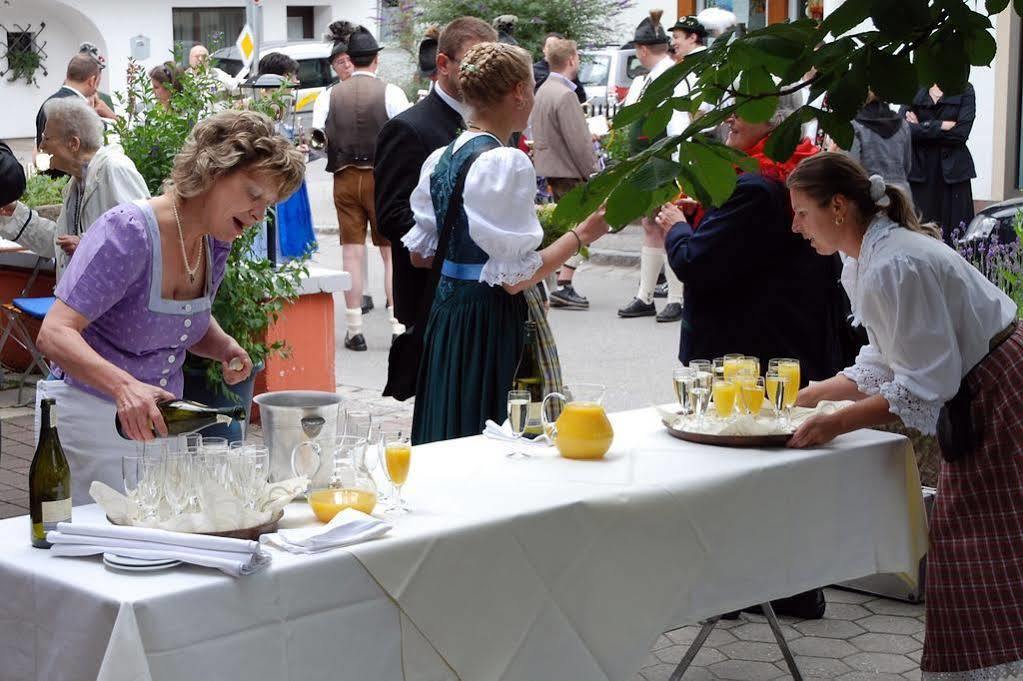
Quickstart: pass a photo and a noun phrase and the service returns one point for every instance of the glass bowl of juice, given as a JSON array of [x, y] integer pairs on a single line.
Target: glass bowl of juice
[[329, 501]]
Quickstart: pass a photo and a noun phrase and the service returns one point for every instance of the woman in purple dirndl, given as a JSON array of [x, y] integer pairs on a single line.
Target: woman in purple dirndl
[[946, 356], [138, 292]]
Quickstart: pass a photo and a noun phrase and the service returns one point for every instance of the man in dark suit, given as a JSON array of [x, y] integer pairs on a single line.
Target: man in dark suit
[[403, 145]]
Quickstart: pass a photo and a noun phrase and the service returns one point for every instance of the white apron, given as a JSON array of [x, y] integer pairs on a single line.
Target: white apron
[[85, 425]]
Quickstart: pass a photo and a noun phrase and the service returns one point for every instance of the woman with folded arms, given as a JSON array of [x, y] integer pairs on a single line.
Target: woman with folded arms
[[475, 330], [138, 293], [945, 355]]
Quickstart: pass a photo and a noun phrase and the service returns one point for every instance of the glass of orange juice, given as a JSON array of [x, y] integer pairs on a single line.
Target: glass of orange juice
[[779, 386], [724, 393], [396, 450], [787, 367], [731, 365], [752, 393]]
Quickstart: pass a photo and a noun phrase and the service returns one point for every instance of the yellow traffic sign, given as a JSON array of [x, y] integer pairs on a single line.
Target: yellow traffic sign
[[246, 45]]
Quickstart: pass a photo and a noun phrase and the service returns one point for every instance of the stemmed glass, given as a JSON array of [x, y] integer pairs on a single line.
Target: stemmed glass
[[700, 391], [374, 453], [150, 485], [177, 481], [778, 388], [255, 462], [682, 381], [131, 475], [358, 423], [518, 414], [397, 451], [724, 398]]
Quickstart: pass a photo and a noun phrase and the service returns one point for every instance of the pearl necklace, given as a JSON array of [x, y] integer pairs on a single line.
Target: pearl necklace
[[192, 271]]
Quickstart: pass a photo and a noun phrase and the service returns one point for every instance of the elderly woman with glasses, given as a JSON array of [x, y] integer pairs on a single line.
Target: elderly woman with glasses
[[137, 295], [101, 178]]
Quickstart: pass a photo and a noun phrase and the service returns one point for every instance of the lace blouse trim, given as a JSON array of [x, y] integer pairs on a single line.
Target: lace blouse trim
[[914, 412]]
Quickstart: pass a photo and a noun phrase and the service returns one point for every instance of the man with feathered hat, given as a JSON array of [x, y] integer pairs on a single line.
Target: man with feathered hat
[[651, 43]]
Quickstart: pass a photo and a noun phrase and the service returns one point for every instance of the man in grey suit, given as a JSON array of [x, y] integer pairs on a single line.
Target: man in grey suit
[[563, 149]]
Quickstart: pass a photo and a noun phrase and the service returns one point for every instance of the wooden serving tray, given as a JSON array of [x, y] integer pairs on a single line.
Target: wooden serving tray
[[778, 440], [248, 533]]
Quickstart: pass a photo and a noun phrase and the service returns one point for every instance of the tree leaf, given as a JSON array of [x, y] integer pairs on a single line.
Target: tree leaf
[[849, 92], [717, 174], [980, 47], [838, 127], [893, 77], [626, 203], [656, 173], [783, 139], [632, 113], [903, 18], [951, 62], [757, 82], [995, 6], [847, 16], [657, 120]]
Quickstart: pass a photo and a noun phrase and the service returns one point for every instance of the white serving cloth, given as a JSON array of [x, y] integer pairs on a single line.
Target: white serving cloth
[[507, 570], [346, 528], [235, 557], [498, 201], [929, 315]]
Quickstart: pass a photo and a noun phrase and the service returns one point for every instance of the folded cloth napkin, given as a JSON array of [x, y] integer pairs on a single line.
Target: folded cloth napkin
[[503, 433], [346, 528], [235, 557]]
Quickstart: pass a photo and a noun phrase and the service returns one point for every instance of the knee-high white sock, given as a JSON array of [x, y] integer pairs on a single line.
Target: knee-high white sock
[[650, 261], [397, 328], [674, 285], [353, 318]]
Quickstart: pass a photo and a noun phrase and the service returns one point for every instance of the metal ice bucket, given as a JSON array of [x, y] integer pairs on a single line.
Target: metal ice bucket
[[291, 417]]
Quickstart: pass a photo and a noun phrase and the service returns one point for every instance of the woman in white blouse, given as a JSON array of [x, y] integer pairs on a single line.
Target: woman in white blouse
[[475, 330], [945, 355]]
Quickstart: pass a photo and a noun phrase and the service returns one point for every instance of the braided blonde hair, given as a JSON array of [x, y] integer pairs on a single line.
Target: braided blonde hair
[[492, 70]]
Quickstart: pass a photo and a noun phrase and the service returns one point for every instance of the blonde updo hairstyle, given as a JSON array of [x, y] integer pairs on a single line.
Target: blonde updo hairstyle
[[825, 175], [231, 141], [490, 71]]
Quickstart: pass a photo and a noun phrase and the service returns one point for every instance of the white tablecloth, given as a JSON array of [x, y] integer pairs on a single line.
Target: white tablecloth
[[507, 570]]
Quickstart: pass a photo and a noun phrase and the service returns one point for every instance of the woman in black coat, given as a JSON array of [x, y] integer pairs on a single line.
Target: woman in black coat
[[942, 165]]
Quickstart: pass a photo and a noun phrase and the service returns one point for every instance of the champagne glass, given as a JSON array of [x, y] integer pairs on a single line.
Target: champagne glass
[[374, 454], [682, 379], [192, 445], [150, 487], [718, 364], [752, 394], [177, 481], [131, 475], [518, 413], [358, 423], [256, 460], [731, 365], [397, 461], [778, 386], [700, 392], [724, 398], [789, 367]]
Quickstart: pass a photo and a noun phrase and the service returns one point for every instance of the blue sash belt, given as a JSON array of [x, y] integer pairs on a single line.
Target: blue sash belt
[[458, 270]]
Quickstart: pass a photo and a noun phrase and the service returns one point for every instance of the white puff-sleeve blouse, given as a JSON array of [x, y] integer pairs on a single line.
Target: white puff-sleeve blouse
[[498, 200], [929, 316]]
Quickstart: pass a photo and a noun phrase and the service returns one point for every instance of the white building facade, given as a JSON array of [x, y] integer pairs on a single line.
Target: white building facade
[[113, 26]]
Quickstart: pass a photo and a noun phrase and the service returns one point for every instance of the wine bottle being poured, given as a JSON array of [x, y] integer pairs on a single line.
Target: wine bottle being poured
[[183, 417]]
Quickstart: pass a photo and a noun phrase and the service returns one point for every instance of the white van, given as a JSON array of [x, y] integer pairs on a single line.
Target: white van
[[607, 72], [314, 72]]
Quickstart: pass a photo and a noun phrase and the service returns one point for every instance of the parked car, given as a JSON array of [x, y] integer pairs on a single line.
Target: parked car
[[314, 72], [995, 220], [606, 73]]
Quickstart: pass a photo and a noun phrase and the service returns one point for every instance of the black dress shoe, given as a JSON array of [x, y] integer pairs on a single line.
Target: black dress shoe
[[637, 308], [367, 304], [661, 290], [356, 342], [672, 312], [566, 296]]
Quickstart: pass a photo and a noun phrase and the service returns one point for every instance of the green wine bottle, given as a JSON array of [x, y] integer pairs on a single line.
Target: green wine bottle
[[529, 377], [49, 479], [184, 417]]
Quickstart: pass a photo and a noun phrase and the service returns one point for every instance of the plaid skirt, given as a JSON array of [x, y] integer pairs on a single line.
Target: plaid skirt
[[974, 591]]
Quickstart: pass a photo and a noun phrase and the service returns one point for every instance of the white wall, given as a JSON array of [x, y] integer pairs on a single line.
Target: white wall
[[110, 24]]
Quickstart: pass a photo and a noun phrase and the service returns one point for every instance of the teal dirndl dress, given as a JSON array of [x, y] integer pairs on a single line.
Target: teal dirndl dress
[[475, 330]]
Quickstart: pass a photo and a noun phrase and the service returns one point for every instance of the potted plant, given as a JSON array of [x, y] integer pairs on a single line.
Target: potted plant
[[254, 290]]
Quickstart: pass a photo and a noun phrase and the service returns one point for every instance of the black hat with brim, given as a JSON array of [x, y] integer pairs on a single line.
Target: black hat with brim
[[362, 44], [12, 176], [650, 31], [690, 25]]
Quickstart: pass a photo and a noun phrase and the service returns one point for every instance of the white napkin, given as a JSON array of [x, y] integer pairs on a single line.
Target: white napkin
[[222, 511], [235, 557], [598, 125], [503, 433], [346, 528]]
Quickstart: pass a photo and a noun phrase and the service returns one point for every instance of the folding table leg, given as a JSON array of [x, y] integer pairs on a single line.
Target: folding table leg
[[694, 648], [772, 621]]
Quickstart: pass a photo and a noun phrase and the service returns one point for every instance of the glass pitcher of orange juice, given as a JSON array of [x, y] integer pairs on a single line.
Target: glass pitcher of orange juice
[[349, 484], [582, 431]]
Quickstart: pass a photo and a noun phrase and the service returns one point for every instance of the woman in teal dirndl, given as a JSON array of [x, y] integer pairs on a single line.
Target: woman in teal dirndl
[[474, 333]]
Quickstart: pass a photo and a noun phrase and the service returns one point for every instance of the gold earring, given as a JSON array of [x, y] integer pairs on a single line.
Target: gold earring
[[840, 220]]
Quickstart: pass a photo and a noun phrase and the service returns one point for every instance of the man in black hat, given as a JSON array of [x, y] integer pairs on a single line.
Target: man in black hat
[[428, 54], [652, 52], [359, 107], [403, 145]]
